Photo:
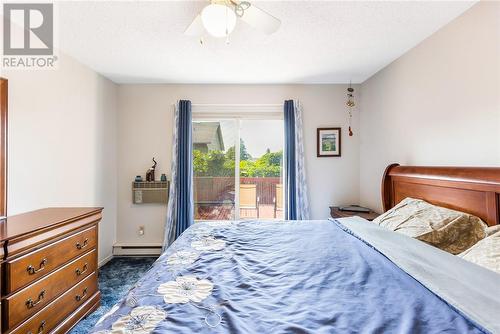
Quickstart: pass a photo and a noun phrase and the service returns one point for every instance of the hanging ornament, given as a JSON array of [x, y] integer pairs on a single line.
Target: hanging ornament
[[350, 105]]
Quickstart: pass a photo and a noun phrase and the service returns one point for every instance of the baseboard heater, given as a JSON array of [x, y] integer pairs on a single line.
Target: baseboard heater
[[136, 249]]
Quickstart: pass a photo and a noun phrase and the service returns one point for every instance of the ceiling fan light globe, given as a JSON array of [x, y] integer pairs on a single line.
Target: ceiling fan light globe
[[218, 20]]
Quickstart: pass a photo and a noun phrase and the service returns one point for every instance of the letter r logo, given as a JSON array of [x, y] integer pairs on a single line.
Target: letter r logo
[[28, 29]]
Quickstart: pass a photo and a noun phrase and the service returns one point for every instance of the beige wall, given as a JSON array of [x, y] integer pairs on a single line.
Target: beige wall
[[77, 139], [439, 104], [62, 142], [145, 130]]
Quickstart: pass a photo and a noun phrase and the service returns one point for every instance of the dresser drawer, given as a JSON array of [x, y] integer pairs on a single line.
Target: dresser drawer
[[28, 301], [49, 317], [27, 268]]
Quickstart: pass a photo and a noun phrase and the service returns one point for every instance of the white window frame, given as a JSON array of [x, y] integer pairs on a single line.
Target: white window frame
[[237, 113]]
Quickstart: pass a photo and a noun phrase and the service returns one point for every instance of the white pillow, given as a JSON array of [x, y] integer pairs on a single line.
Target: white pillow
[[490, 230], [485, 253]]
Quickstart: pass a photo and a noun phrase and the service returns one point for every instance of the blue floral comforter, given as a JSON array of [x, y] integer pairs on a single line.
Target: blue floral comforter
[[279, 277]]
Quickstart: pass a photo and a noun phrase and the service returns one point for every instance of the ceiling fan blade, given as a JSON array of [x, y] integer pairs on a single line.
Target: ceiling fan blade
[[259, 19], [195, 28]]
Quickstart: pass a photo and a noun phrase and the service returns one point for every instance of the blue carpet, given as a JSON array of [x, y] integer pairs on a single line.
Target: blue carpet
[[115, 279]]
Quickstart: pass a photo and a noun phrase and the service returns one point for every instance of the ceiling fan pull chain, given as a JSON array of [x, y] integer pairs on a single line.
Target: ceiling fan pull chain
[[245, 5], [227, 29], [239, 8]]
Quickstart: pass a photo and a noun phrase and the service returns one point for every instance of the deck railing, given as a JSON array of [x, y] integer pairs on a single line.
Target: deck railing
[[222, 189], [217, 194]]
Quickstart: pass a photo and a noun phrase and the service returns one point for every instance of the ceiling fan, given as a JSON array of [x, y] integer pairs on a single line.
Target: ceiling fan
[[219, 19]]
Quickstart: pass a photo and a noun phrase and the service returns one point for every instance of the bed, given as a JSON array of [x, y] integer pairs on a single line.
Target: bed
[[327, 276]]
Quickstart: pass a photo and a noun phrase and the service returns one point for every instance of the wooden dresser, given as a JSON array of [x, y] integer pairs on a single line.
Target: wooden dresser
[[48, 269]]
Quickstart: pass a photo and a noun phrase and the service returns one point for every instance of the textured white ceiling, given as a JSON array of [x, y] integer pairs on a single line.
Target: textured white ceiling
[[318, 41]]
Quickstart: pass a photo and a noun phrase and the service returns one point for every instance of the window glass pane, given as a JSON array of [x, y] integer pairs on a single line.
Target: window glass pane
[[214, 169], [261, 169]]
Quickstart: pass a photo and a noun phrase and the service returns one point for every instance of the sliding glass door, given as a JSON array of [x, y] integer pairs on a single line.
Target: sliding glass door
[[214, 169], [238, 168], [261, 169]]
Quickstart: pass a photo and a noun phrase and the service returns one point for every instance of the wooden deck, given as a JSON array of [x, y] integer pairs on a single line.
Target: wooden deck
[[226, 212]]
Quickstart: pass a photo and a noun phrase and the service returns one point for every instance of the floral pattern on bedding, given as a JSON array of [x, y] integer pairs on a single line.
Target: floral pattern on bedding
[[182, 258], [184, 289], [208, 244], [449, 230]]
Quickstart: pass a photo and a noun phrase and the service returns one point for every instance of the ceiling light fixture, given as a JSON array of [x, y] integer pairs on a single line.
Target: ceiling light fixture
[[218, 20]]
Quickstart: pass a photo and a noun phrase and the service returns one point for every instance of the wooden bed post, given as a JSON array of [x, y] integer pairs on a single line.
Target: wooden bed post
[[387, 199]]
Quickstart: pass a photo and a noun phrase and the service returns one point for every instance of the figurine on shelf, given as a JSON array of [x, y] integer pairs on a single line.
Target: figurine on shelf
[[150, 174]]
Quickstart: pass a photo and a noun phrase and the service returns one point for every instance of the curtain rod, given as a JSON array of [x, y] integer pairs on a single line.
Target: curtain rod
[[236, 105], [202, 107]]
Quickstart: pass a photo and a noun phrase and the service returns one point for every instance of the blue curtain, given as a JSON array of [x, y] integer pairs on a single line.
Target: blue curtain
[[180, 204], [296, 198], [290, 165], [185, 168]]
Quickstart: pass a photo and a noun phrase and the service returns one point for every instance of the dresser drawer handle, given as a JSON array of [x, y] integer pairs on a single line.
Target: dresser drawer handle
[[84, 294], [40, 328], [30, 303], [82, 246], [81, 272], [32, 271]]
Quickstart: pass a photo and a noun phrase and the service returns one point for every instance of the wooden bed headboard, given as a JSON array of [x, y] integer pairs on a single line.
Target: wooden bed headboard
[[474, 190]]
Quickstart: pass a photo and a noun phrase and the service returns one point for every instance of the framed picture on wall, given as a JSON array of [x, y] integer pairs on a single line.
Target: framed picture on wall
[[328, 142]]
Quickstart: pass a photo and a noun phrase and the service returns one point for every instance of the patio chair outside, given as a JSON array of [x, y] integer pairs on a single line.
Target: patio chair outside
[[249, 198], [278, 200]]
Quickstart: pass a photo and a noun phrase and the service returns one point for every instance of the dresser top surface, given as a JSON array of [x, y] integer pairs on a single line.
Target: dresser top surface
[[29, 222]]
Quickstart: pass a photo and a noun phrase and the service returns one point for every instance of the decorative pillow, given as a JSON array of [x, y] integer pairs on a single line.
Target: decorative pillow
[[449, 230], [485, 253], [490, 230]]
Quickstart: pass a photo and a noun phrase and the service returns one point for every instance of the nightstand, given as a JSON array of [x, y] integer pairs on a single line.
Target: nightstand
[[336, 213]]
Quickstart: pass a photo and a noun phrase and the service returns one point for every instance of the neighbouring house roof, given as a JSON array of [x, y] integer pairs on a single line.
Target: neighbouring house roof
[[208, 133]]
